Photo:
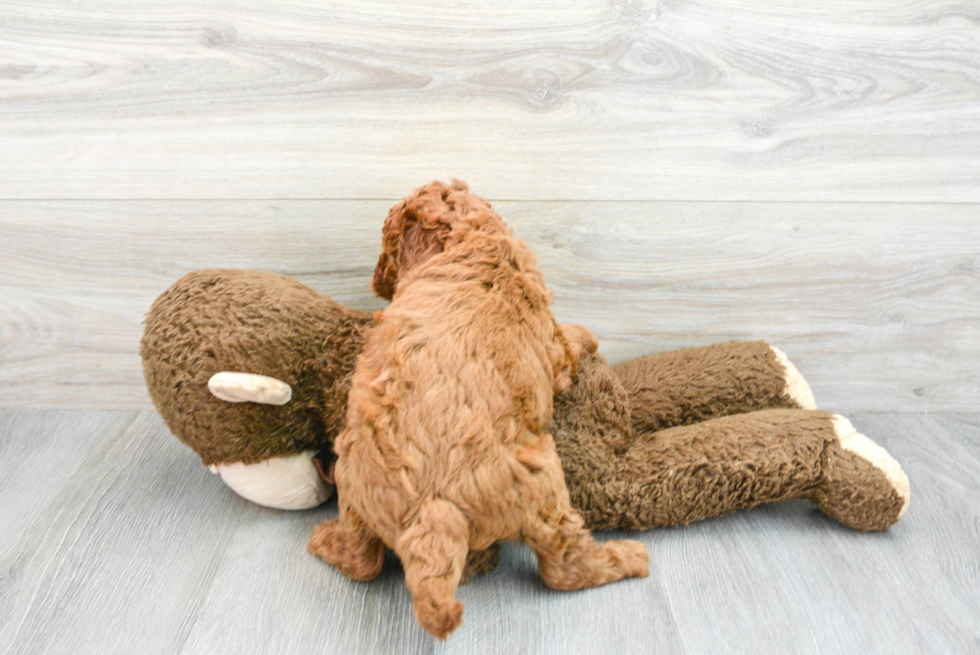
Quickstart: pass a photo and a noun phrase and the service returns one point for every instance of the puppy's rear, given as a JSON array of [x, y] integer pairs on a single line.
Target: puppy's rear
[[446, 448]]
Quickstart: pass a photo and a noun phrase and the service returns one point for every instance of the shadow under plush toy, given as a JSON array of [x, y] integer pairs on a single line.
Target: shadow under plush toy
[[252, 370]]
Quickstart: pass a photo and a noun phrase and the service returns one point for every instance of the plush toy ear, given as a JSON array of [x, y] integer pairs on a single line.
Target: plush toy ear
[[415, 230]]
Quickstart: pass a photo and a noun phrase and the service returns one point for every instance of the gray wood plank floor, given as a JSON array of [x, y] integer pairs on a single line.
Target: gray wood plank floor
[[114, 539]]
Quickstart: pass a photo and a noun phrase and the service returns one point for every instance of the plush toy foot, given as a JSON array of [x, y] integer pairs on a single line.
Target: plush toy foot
[[796, 386], [291, 482], [861, 485]]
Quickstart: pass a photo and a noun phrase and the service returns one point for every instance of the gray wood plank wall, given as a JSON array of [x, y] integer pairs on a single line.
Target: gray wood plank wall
[[689, 172]]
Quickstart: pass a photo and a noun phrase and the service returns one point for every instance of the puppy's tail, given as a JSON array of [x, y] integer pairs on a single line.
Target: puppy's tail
[[433, 553]]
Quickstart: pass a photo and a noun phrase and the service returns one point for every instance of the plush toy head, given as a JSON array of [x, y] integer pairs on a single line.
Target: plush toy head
[[281, 333]]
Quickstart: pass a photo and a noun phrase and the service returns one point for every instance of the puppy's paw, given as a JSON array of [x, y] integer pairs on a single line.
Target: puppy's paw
[[355, 554], [580, 339], [630, 557], [323, 541], [563, 382], [574, 341]]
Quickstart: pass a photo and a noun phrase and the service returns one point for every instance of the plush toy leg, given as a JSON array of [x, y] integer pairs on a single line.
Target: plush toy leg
[[289, 482], [688, 473], [349, 545], [696, 384]]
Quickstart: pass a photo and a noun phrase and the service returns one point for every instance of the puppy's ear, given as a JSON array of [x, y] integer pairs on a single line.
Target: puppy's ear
[[416, 229], [386, 272]]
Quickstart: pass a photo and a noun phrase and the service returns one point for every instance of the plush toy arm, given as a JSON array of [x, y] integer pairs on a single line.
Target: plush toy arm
[[696, 384], [688, 473]]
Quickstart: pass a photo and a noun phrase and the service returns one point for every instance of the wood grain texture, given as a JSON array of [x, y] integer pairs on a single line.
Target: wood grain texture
[[878, 304], [135, 547], [579, 99]]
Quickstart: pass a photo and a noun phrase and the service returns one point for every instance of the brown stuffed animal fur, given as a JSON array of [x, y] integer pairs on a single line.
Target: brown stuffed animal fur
[[446, 448], [657, 441]]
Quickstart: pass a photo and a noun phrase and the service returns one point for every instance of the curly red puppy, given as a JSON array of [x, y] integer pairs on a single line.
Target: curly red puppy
[[446, 449]]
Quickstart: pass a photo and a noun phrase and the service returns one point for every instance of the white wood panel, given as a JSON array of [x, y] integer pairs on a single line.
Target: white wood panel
[[878, 304], [588, 99]]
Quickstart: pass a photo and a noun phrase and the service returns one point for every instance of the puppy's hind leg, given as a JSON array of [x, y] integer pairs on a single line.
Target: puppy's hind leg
[[433, 552], [348, 544], [568, 558]]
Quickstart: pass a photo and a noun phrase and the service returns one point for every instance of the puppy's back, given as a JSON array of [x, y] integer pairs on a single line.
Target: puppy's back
[[455, 376]]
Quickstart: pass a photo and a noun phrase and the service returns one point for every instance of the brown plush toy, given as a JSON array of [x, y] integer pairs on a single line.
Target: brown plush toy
[[251, 370]]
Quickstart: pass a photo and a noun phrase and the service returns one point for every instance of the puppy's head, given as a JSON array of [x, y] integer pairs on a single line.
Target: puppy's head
[[423, 224]]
